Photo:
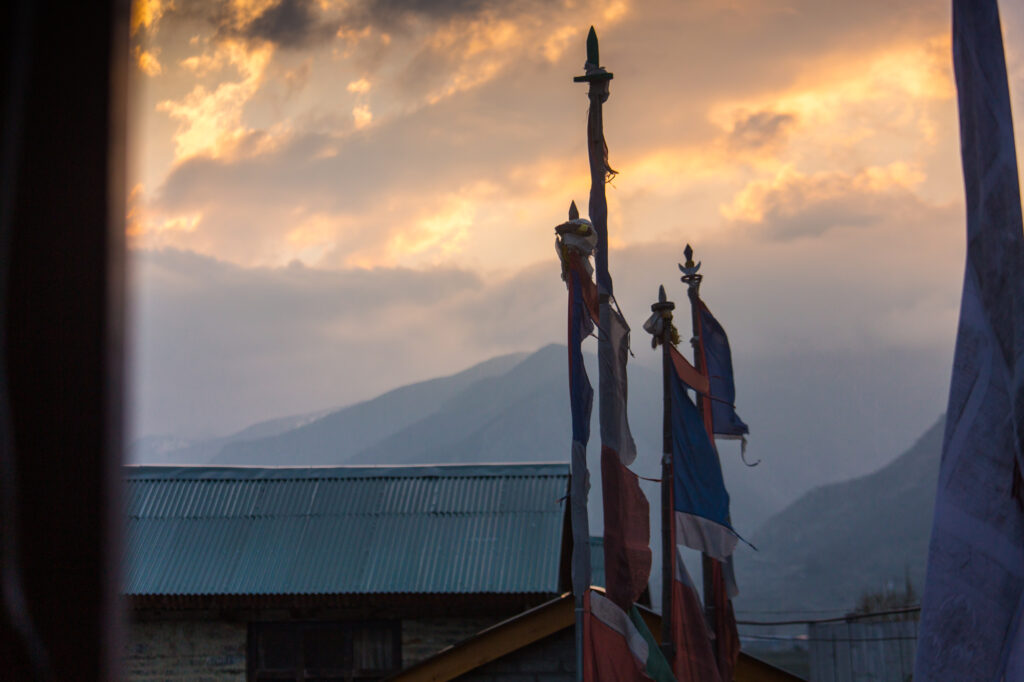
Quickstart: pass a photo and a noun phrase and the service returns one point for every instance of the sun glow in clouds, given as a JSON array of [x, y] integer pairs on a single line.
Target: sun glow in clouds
[[211, 121]]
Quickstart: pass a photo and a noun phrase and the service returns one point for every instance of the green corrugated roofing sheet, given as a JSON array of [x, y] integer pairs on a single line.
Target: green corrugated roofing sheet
[[490, 528]]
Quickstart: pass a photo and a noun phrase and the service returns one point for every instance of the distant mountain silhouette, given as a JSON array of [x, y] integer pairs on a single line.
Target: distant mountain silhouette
[[174, 450], [841, 540], [338, 436]]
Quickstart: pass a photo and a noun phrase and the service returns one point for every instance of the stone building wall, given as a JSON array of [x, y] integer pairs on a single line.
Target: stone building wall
[[185, 651], [552, 659], [424, 637], [176, 650]]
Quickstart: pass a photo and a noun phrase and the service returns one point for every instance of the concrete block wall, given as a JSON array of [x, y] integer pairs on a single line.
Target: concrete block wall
[[185, 651]]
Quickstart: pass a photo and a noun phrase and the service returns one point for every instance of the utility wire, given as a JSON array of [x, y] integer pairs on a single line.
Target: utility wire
[[778, 638], [839, 619]]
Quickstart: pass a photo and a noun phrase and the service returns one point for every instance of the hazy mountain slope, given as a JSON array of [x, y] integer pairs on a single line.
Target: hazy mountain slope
[[840, 540], [508, 403], [336, 437], [172, 450]]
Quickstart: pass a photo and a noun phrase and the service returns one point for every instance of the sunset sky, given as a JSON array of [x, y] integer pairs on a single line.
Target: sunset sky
[[330, 199]]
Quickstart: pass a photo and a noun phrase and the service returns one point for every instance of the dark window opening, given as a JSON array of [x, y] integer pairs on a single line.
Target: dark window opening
[[326, 651]]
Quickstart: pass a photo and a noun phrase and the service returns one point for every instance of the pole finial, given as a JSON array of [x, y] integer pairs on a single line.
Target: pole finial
[[574, 213], [593, 69], [593, 52], [690, 276], [659, 324]]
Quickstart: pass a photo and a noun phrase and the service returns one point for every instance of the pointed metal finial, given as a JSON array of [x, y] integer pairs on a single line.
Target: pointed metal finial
[[594, 71], [659, 324], [574, 213], [663, 303], [593, 53], [689, 269]]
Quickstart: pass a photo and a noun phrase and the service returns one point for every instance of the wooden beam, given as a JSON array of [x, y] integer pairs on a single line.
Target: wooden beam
[[493, 643]]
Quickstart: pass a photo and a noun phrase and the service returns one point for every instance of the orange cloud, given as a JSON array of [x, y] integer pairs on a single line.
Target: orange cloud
[[210, 122], [360, 87], [794, 204], [147, 61], [362, 116], [145, 14]]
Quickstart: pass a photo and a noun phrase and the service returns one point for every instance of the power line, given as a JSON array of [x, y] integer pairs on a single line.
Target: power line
[[839, 619], [833, 610], [780, 638]]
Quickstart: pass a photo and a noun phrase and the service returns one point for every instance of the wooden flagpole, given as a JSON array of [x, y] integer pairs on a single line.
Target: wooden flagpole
[[665, 307], [692, 279], [598, 79]]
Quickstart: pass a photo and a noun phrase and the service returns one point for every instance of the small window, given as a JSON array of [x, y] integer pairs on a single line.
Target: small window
[[324, 651]]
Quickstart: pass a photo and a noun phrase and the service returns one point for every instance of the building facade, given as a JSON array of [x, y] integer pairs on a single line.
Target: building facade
[[332, 573]]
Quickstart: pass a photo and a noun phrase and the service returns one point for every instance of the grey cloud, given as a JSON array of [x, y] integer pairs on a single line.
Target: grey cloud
[[809, 206], [759, 130], [291, 23], [389, 14], [215, 346]]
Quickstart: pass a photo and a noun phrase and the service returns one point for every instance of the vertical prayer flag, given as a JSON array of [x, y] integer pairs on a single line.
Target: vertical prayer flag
[[974, 591], [619, 647], [691, 641], [699, 499], [718, 368], [727, 638]]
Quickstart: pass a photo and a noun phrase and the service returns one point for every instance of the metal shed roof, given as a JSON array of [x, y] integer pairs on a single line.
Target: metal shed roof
[[492, 528]]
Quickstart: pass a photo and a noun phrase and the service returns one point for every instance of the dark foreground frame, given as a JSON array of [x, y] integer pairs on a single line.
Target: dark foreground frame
[[62, 129]]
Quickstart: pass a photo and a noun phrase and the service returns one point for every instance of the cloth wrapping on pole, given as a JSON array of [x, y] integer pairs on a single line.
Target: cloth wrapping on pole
[[581, 399], [627, 532], [972, 606]]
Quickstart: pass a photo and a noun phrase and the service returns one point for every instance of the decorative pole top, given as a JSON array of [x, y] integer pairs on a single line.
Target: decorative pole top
[[593, 68], [690, 276], [663, 303], [576, 235], [659, 324]]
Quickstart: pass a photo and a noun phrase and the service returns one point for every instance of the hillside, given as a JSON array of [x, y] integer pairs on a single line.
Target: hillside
[[337, 436], [840, 540]]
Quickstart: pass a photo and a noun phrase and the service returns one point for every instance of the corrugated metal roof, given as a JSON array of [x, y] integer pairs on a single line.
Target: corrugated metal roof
[[344, 530]]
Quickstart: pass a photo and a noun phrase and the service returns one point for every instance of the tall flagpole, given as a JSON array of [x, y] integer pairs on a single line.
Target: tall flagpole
[[598, 207], [664, 308], [692, 279], [574, 243], [598, 155]]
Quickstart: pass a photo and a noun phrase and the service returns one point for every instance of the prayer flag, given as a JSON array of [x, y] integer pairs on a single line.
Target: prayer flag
[[619, 647], [691, 640], [974, 591], [700, 501], [714, 345]]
